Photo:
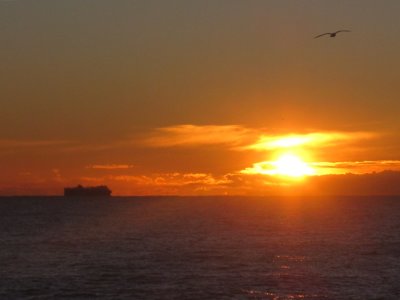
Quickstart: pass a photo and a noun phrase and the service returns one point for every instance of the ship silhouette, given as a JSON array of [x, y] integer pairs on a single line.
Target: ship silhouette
[[101, 190]]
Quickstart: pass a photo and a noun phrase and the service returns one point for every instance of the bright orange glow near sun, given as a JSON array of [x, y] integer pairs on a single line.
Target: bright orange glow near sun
[[287, 164], [291, 165], [292, 155]]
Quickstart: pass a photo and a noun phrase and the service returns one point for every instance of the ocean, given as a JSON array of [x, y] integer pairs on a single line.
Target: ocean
[[200, 248]]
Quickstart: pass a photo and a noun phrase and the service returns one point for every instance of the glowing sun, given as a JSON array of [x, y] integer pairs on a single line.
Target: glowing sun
[[291, 165]]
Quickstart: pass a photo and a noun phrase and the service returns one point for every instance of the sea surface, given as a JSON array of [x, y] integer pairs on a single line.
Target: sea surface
[[200, 248]]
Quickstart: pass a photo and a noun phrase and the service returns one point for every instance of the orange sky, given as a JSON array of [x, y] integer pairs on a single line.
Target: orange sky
[[189, 97]]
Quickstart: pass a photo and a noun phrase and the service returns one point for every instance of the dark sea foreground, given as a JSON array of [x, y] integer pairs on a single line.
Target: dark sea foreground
[[200, 248]]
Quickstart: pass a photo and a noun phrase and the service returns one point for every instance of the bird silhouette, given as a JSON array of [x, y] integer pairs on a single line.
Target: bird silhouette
[[331, 34]]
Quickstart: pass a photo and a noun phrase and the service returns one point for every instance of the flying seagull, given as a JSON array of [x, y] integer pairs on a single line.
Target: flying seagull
[[331, 34]]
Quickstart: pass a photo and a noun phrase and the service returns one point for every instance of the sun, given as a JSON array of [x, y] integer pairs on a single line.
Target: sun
[[291, 165], [288, 164]]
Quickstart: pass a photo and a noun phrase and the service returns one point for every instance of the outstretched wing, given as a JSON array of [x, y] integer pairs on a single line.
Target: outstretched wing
[[345, 30], [322, 35]]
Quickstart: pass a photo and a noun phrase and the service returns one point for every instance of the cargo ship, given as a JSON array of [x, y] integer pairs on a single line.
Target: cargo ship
[[101, 190]]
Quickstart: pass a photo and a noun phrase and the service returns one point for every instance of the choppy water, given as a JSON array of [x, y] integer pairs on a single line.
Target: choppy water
[[200, 248]]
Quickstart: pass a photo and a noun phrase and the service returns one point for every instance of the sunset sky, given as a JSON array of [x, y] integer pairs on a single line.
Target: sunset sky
[[200, 97]]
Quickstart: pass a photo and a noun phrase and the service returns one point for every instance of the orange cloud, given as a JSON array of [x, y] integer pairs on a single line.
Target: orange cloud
[[379, 183], [252, 173], [330, 168], [316, 139], [241, 138], [164, 183], [171, 179], [356, 167], [193, 135]]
